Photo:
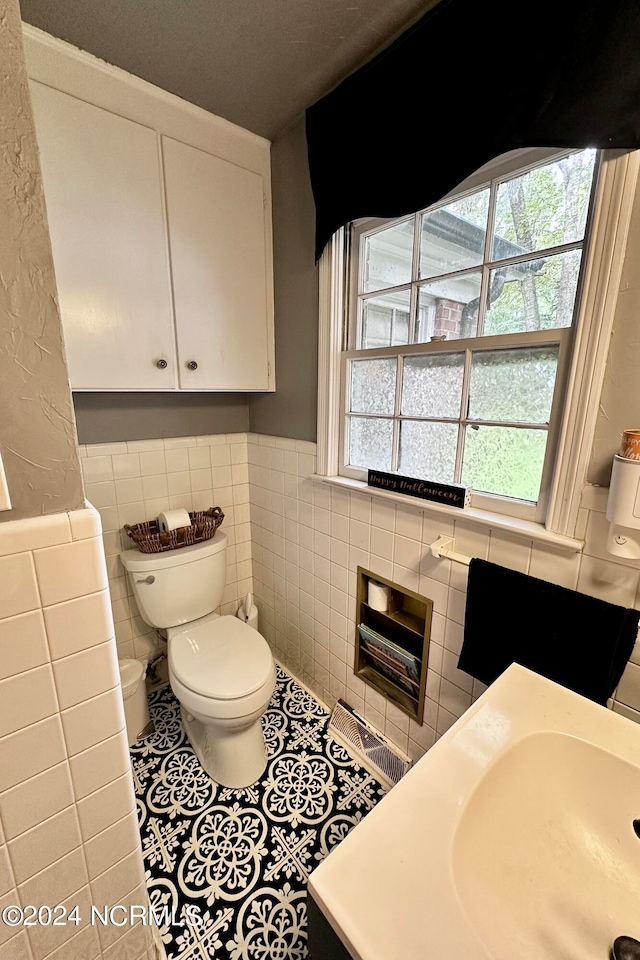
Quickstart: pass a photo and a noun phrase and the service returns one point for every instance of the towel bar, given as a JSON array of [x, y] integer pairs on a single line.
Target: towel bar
[[444, 548]]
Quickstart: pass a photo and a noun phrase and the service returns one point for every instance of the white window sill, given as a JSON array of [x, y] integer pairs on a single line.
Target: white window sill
[[527, 529]]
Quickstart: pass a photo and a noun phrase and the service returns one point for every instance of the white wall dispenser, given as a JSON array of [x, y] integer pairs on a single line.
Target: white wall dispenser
[[623, 509]]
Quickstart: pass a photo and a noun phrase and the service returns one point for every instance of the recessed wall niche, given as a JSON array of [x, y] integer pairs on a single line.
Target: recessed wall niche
[[392, 644]]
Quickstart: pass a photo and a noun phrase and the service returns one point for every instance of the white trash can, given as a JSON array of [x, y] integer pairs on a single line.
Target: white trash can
[[134, 693]]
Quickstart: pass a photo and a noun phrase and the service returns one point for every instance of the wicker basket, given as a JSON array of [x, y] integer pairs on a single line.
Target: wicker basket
[[148, 537]]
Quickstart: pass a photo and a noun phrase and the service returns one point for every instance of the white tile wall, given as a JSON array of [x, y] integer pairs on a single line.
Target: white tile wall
[[65, 780], [134, 481], [297, 544], [307, 540]]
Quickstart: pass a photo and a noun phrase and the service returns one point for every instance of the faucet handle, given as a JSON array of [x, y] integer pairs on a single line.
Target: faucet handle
[[625, 948]]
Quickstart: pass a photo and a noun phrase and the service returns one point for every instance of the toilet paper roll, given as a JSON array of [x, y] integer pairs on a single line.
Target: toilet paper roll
[[171, 519], [378, 596]]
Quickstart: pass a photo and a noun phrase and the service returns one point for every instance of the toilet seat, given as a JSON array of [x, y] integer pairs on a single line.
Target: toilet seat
[[221, 658], [255, 703], [220, 667]]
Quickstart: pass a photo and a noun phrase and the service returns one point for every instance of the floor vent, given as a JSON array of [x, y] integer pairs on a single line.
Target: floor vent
[[383, 758]]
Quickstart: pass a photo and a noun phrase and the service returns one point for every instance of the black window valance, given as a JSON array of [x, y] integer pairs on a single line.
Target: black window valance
[[469, 81]]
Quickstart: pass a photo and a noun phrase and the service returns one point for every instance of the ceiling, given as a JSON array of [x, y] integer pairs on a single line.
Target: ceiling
[[258, 63]]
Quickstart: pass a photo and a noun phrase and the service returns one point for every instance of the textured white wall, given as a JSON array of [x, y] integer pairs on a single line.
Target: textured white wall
[[620, 397], [37, 427]]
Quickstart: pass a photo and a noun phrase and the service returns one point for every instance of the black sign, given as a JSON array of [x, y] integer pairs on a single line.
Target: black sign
[[425, 489]]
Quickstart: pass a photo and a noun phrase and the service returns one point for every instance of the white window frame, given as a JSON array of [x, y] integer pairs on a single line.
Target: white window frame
[[601, 273], [474, 345]]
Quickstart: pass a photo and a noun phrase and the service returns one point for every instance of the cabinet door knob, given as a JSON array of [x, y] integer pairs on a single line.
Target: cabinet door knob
[[161, 364], [192, 365]]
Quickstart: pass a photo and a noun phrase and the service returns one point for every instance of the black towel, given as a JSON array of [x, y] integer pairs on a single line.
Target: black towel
[[579, 641]]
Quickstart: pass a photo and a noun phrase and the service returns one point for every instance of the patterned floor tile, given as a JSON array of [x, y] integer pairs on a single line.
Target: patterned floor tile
[[232, 865]]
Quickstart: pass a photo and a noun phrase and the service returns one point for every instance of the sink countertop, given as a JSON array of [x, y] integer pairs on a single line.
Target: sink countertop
[[390, 891]]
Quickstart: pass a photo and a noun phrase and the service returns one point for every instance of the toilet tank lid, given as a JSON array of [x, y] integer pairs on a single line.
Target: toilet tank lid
[[136, 562]]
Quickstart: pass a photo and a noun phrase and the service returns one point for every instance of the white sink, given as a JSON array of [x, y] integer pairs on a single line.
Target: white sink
[[545, 858], [512, 838]]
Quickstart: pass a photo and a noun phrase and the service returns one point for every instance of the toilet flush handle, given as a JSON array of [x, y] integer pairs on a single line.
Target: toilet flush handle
[[148, 579]]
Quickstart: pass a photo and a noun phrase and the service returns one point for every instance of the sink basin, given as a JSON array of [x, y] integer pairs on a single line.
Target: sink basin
[[545, 858], [512, 837]]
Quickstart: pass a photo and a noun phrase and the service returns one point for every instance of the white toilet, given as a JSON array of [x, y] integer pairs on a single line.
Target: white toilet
[[221, 670]]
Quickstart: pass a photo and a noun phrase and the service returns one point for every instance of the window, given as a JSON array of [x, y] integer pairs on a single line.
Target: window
[[467, 343], [459, 332]]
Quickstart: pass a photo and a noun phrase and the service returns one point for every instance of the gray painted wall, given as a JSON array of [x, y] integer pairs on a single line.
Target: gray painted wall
[[291, 410], [37, 430], [620, 398], [109, 417]]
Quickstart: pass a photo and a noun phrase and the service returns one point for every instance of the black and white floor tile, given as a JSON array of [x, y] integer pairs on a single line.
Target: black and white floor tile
[[238, 860]]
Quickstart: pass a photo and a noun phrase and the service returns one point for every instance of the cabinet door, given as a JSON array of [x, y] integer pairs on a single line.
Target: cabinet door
[[215, 211], [103, 192]]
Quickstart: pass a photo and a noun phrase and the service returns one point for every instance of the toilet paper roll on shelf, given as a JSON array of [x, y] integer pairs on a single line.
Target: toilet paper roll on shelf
[[172, 519], [378, 596]]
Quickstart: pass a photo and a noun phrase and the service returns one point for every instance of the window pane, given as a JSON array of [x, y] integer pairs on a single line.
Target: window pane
[[504, 460], [385, 320], [448, 309], [533, 295], [514, 385], [428, 450], [387, 257], [373, 385], [453, 237], [431, 386], [370, 443], [545, 207]]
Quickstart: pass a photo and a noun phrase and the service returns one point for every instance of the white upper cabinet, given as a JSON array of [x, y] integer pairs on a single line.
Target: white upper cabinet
[[160, 222], [215, 212], [103, 194]]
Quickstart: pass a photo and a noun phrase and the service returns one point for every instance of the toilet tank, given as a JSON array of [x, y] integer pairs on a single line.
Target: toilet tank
[[180, 585]]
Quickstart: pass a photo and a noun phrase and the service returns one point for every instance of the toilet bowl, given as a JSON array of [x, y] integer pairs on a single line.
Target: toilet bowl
[[224, 675], [221, 670]]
